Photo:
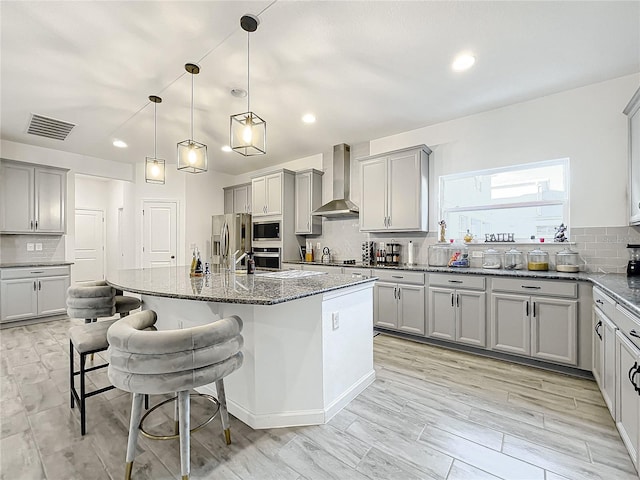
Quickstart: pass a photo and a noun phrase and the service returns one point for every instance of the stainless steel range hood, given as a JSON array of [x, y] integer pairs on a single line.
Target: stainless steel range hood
[[340, 206]]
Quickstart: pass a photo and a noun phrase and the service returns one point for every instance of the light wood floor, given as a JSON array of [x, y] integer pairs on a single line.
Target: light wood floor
[[431, 414]]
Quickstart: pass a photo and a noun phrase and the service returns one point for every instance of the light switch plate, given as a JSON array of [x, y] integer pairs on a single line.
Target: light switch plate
[[38, 247], [29, 247]]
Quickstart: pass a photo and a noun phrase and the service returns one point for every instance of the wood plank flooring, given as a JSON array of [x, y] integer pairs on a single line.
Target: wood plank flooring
[[432, 413]]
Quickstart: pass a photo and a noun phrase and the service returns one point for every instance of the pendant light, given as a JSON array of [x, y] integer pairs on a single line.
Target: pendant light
[[154, 167], [192, 156], [248, 130]]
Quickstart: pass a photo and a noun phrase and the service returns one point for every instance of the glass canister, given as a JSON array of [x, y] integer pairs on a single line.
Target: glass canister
[[491, 259], [568, 261], [439, 255], [458, 255], [537, 260], [513, 259]]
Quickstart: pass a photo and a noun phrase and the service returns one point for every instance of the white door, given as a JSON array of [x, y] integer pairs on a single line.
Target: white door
[[89, 252], [159, 234]]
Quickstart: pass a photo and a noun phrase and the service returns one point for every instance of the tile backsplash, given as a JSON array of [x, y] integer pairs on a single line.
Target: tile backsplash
[[13, 248], [602, 248]]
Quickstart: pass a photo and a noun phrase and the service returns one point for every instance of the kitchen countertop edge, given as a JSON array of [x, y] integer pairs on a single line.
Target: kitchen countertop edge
[[35, 264]]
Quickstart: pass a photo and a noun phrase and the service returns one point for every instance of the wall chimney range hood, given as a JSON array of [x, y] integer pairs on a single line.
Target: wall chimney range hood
[[340, 206]]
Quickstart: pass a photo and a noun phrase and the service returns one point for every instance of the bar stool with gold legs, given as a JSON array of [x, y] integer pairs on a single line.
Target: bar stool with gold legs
[[159, 362]]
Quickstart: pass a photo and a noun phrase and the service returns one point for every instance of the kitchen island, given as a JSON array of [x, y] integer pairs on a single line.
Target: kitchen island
[[308, 341]]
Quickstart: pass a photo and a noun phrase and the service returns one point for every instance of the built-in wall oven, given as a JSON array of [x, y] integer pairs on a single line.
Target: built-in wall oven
[[266, 230], [267, 257]]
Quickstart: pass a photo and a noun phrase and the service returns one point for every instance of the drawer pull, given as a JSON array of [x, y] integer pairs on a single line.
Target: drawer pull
[[531, 287], [455, 281], [397, 276], [633, 333], [597, 329], [40, 271]]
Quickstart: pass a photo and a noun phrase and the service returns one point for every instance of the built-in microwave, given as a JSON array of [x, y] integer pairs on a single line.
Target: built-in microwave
[[265, 231], [267, 257]]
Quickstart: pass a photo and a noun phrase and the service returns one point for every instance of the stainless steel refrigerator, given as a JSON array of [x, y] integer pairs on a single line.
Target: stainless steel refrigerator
[[230, 232]]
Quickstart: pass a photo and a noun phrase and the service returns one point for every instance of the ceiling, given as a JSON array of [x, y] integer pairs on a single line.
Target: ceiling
[[365, 69]]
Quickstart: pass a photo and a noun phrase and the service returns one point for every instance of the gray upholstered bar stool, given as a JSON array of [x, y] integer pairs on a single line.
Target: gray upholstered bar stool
[[91, 301], [144, 362]]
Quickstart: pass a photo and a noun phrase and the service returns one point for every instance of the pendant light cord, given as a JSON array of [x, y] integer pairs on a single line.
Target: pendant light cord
[[155, 131], [248, 87], [192, 107]]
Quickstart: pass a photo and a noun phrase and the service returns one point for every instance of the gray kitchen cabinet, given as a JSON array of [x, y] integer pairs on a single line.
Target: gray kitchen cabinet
[[27, 293], [538, 326], [32, 198], [394, 191], [399, 301], [308, 197], [457, 314], [321, 268], [633, 112], [237, 198], [604, 348], [627, 401], [266, 194]]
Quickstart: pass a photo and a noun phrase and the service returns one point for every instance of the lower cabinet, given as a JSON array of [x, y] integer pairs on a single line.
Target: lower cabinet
[[627, 400], [457, 315], [604, 357], [27, 293], [399, 305]]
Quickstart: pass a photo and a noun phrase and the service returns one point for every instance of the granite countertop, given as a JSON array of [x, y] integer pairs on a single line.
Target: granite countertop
[[35, 263], [174, 282], [625, 290]]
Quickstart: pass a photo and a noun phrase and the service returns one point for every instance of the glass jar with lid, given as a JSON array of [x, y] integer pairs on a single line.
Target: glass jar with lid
[[568, 261], [492, 258], [513, 259], [538, 260], [458, 255], [439, 255]]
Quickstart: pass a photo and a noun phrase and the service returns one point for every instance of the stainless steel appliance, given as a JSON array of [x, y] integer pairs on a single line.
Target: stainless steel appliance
[[267, 257], [266, 231], [340, 206], [229, 232]]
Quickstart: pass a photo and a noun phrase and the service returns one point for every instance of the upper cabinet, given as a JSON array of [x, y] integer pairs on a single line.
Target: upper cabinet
[[394, 191], [633, 112], [267, 192], [32, 198], [237, 199], [308, 197]]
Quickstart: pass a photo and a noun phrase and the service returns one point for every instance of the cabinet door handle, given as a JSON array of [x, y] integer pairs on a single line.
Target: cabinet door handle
[[36, 224], [527, 307], [34, 285], [31, 224], [530, 287], [39, 285], [399, 290], [534, 310], [633, 333], [599, 302], [389, 222], [457, 300], [395, 290], [598, 325], [452, 299], [632, 376]]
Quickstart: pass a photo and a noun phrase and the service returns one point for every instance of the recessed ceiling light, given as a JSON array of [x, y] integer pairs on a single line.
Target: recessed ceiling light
[[119, 144], [463, 62], [309, 118], [239, 92], [226, 148]]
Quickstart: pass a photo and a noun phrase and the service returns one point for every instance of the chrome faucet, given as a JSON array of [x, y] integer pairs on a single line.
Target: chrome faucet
[[233, 261]]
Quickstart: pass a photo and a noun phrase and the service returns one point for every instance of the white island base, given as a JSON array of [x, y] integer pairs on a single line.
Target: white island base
[[304, 359]]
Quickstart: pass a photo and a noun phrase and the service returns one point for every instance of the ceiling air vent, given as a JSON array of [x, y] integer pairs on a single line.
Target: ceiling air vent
[[49, 127]]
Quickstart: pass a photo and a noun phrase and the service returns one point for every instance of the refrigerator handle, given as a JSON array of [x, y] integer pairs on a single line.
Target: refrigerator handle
[[224, 241]]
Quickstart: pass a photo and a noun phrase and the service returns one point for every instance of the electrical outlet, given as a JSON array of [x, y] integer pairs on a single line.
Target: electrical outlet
[[38, 247], [29, 247], [335, 319]]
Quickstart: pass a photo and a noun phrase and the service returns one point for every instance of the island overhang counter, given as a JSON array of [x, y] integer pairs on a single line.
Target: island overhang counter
[[308, 342]]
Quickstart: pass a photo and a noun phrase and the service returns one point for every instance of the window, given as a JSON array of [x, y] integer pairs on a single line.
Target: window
[[526, 200]]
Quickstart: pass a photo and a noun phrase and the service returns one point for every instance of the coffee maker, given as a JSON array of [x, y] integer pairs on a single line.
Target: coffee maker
[[633, 267]]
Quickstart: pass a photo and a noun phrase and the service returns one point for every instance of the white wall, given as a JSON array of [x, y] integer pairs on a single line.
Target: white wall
[[585, 124]]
